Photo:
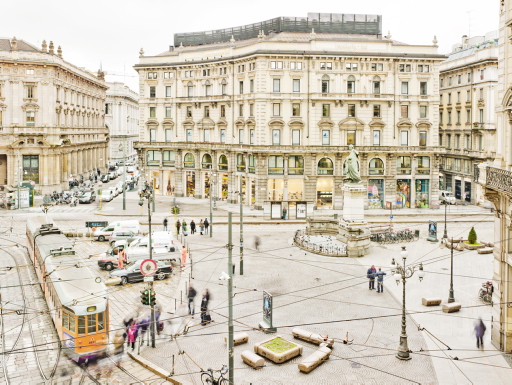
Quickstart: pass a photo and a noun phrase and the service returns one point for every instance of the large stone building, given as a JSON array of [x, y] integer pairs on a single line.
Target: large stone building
[[496, 177], [51, 117], [272, 107], [122, 121], [468, 80]]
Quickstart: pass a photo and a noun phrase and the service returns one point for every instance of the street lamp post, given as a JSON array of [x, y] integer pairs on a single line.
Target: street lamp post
[[403, 272], [147, 193], [241, 228], [445, 235], [212, 177], [451, 296]]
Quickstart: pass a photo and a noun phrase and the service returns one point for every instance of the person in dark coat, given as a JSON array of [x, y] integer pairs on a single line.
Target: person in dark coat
[[370, 274], [204, 309], [206, 225], [165, 224], [191, 297], [178, 226], [192, 227], [380, 280], [480, 332]]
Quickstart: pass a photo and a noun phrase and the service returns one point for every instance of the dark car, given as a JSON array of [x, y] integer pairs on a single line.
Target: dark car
[[105, 178], [132, 272], [87, 197]]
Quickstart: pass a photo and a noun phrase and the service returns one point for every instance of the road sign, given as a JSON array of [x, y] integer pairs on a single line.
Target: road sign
[[148, 267]]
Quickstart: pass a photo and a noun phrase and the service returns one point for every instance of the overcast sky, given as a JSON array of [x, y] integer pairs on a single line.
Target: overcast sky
[[112, 32]]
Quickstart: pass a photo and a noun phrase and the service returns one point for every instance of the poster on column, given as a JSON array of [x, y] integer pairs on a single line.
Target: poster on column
[[301, 210]]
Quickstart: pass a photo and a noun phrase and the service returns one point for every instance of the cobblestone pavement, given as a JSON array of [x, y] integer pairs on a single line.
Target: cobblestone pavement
[[320, 294]]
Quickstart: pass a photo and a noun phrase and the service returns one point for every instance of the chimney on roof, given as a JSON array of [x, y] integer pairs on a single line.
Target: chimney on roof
[[44, 46], [59, 51], [14, 43], [464, 39], [51, 48]]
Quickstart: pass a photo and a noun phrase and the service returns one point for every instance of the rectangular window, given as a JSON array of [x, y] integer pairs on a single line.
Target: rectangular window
[[468, 96], [241, 89], [376, 110], [296, 109], [240, 110], [326, 110], [295, 137], [206, 111], [208, 89], [377, 66], [480, 142], [296, 85], [468, 142], [404, 138], [458, 97], [152, 75], [441, 83], [376, 138], [423, 88], [168, 135], [152, 92], [81, 322], [91, 323], [351, 110], [423, 112], [222, 111], [325, 86], [423, 138], [277, 85], [458, 117], [206, 135], [449, 117], [326, 137], [189, 111], [295, 65], [440, 118], [351, 138], [468, 116], [404, 111], [251, 85], [449, 141], [31, 168], [31, 118], [223, 135], [354, 66], [469, 77], [276, 137], [351, 86], [224, 88], [459, 79], [251, 136], [168, 112], [440, 139], [31, 91], [481, 115], [251, 109], [152, 134], [101, 321], [481, 92], [276, 109], [152, 112], [241, 136], [405, 88], [457, 141], [189, 135]]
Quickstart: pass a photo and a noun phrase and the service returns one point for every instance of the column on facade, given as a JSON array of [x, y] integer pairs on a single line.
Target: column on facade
[[232, 177], [390, 183], [197, 176], [337, 199], [181, 184], [310, 180], [261, 179]]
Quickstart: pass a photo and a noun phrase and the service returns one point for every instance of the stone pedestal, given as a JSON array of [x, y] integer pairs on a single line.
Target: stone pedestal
[[354, 198]]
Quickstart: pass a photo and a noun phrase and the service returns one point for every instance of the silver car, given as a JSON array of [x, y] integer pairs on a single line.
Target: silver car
[[128, 236]]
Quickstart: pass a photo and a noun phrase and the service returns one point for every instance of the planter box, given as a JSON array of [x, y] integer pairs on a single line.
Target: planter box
[[485, 250], [252, 359], [311, 337], [472, 247], [277, 349], [314, 360]]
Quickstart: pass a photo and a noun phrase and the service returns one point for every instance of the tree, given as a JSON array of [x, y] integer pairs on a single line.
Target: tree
[[472, 236]]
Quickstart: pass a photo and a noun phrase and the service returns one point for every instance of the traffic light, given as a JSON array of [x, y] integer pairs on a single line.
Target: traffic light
[[144, 296], [152, 298]]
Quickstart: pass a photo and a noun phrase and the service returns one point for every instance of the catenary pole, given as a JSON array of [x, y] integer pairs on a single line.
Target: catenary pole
[[231, 367]]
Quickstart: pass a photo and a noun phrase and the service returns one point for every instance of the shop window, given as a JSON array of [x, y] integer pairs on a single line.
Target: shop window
[[375, 193], [423, 165], [422, 194], [169, 158], [189, 161], [275, 165], [325, 167], [207, 161], [295, 165], [376, 167], [403, 165], [403, 193], [31, 168], [240, 163], [223, 163]]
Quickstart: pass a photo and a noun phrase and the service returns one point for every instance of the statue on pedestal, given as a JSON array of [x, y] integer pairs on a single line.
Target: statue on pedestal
[[352, 166]]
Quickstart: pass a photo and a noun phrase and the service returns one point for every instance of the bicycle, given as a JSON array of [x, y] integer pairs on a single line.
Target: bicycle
[[207, 377], [485, 293]]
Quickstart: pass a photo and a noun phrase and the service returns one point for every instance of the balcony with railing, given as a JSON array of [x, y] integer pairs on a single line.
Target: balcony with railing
[[275, 170], [168, 163], [403, 170], [422, 170], [295, 170]]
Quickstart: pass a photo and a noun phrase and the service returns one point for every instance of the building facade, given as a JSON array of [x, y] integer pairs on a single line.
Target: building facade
[[51, 117], [270, 109], [122, 121], [496, 177], [468, 80]]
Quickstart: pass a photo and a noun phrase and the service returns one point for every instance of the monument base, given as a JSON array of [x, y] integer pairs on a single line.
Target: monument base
[[354, 198], [356, 235], [267, 327]]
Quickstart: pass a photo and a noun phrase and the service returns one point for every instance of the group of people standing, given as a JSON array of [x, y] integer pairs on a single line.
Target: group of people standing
[[205, 315], [203, 226], [371, 274]]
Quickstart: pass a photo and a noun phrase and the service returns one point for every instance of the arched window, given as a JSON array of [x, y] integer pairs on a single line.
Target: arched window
[[207, 161], [208, 88], [351, 84], [325, 167], [190, 89], [325, 84], [376, 167], [224, 86], [189, 161], [376, 85], [223, 163]]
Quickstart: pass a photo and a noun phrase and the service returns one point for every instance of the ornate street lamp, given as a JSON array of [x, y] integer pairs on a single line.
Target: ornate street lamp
[[403, 272]]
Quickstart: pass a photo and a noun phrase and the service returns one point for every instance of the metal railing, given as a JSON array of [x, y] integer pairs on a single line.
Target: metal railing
[[304, 241]]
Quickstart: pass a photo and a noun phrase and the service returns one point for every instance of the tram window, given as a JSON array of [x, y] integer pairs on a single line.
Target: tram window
[[81, 324], [65, 320], [101, 321], [91, 323], [72, 323]]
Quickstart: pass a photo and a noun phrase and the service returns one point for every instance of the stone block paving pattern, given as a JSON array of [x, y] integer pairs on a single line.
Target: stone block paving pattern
[[322, 294]]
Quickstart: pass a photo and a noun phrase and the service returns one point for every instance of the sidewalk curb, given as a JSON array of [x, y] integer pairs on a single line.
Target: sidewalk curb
[[154, 368]]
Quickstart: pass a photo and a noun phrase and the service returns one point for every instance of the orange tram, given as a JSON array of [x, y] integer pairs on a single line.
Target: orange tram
[[76, 298]]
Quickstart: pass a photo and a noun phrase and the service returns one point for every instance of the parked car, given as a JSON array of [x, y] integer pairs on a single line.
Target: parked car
[[127, 235], [112, 175], [87, 197], [109, 260], [119, 187], [103, 234], [132, 272], [113, 191], [130, 169], [106, 196], [447, 197], [105, 178]]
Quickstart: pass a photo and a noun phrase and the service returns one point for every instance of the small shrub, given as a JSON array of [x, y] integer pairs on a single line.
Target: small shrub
[[472, 236]]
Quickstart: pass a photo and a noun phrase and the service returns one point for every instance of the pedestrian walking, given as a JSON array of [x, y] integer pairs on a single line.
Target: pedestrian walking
[[480, 332], [192, 227], [191, 297], [206, 225], [121, 255], [370, 274], [201, 226], [205, 316], [184, 228], [380, 280], [165, 224], [284, 212], [183, 256], [178, 225], [257, 243], [132, 335]]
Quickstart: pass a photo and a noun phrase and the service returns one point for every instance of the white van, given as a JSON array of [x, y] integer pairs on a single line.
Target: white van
[[103, 234], [109, 260], [160, 240]]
